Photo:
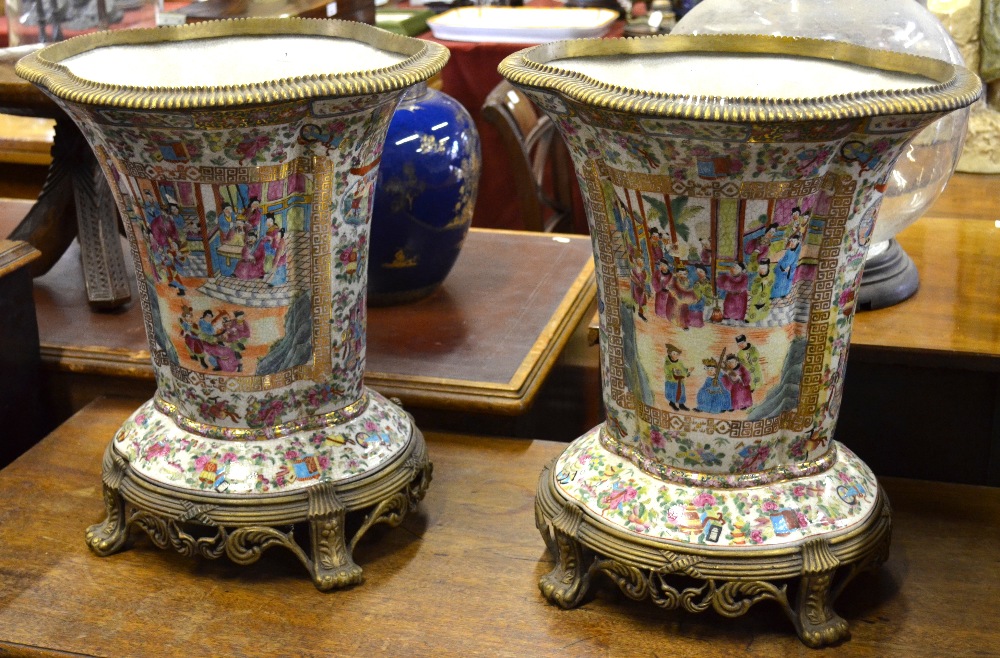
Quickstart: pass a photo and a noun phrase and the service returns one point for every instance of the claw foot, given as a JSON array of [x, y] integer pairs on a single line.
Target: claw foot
[[343, 576], [107, 537]]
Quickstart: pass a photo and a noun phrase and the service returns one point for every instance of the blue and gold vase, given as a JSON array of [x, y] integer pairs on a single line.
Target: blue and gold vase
[[426, 191]]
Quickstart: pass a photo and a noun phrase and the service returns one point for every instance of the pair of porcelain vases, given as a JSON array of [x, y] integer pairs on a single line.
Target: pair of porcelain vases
[[731, 186]]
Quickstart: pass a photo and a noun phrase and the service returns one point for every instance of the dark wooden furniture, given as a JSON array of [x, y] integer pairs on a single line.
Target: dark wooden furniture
[[922, 394], [75, 200], [469, 77], [20, 365], [539, 169], [458, 578]]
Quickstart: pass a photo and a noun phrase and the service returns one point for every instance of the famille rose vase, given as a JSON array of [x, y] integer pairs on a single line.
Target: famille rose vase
[[731, 185], [242, 155]]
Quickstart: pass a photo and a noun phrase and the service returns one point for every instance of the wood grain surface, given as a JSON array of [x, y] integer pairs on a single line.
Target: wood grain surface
[[956, 311], [456, 579]]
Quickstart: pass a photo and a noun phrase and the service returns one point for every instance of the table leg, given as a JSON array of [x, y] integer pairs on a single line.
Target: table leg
[[100, 245], [75, 185], [45, 227]]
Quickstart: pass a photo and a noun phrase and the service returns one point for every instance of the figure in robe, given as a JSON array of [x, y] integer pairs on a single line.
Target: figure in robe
[[166, 251], [253, 215], [784, 271], [239, 330], [760, 293], [713, 396], [656, 244], [680, 296], [189, 332], [661, 287], [279, 275], [749, 356], [174, 212], [735, 285], [228, 223], [675, 372], [150, 208], [251, 265], [226, 358], [759, 248], [702, 289], [737, 381]]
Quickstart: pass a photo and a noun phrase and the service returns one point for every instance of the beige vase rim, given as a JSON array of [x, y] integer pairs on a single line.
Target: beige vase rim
[[951, 86], [424, 59]]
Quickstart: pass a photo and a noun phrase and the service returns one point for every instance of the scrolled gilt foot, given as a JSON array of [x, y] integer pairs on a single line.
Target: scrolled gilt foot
[[815, 621], [340, 577], [569, 581], [332, 566], [109, 536]]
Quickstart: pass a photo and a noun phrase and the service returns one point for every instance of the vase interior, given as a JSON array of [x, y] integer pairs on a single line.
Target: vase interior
[[236, 60], [739, 75]]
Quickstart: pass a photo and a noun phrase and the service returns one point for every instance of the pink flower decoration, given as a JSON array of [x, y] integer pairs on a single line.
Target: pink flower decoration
[[756, 536], [703, 499], [157, 450]]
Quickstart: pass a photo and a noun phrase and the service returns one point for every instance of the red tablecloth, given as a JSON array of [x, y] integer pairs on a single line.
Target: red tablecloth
[[469, 76]]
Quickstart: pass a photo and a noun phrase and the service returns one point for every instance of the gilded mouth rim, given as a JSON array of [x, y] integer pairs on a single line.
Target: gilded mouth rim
[[423, 60], [953, 87]]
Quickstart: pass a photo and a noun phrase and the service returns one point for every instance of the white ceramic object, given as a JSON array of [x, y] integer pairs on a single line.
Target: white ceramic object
[[242, 156], [731, 183], [521, 24]]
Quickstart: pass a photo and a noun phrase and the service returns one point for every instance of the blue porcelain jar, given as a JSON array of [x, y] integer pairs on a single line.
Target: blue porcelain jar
[[426, 191]]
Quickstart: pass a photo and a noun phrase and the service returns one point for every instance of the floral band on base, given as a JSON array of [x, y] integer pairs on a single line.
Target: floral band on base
[[338, 417], [687, 477]]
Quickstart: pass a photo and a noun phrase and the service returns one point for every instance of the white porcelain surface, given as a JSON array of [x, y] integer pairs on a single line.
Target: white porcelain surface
[[521, 24], [761, 76], [227, 61]]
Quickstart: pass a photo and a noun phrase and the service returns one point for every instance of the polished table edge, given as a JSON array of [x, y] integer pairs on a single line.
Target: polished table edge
[[516, 395], [15, 254]]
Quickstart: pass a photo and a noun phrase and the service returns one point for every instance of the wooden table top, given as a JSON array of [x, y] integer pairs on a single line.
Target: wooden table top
[[956, 311], [485, 340], [458, 578]]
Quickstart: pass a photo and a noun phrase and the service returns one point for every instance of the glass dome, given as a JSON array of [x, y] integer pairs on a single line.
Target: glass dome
[[899, 25]]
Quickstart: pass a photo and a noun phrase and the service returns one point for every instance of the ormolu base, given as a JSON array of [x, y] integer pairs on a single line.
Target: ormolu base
[[242, 527], [804, 579]]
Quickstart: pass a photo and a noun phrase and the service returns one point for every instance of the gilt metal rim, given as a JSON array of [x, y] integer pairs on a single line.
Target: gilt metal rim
[[423, 60], [953, 86]]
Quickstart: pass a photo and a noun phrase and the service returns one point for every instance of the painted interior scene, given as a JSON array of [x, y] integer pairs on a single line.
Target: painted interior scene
[[225, 271], [744, 267]]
